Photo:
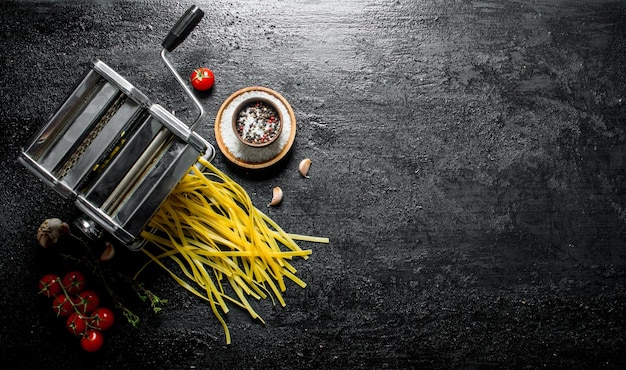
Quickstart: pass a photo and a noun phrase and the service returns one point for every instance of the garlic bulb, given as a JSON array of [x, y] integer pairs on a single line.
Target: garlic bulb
[[50, 231]]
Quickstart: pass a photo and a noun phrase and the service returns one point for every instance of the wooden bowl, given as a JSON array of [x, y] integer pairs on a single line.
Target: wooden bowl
[[245, 156]]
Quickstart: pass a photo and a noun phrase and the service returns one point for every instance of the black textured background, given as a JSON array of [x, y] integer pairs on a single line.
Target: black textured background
[[469, 169]]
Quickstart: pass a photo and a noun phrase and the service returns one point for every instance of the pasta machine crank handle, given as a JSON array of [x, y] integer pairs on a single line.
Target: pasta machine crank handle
[[175, 37], [183, 28]]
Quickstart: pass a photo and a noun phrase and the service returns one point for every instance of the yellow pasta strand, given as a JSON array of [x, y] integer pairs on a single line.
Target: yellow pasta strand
[[210, 229]]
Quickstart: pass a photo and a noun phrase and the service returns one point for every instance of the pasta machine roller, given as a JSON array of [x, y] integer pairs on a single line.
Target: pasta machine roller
[[113, 151]]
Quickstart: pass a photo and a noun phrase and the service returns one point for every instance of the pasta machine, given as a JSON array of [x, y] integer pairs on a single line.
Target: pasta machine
[[113, 152]]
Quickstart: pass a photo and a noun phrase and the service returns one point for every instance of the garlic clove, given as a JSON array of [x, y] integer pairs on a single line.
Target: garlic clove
[[277, 196], [304, 166], [108, 253]]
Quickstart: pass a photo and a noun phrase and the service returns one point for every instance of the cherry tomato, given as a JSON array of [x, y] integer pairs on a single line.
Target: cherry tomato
[[50, 285], [76, 324], [87, 301], [103, 318], [62, 306], [92, 340], [202, 79], [74, 282]]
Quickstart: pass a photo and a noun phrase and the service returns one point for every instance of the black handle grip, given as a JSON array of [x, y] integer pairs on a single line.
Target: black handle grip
[[183, 28]]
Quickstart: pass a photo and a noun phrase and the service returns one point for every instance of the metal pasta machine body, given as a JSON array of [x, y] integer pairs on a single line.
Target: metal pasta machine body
[[114, 152]]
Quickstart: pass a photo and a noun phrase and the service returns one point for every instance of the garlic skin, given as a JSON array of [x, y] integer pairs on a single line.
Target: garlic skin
[[50, 231], [277, 196], [108, 253], [304, 166]]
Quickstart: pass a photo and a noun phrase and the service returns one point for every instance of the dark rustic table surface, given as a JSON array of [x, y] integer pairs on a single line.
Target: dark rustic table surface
[[469, 168]]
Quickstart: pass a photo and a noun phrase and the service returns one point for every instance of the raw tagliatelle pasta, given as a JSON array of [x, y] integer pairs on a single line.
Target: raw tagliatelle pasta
[[209, 227]]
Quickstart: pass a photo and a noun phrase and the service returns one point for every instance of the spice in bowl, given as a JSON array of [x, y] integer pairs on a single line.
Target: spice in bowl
[[257, 123]]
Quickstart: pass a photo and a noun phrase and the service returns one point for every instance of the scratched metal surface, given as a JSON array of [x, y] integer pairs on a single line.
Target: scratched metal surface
[[468, 168]]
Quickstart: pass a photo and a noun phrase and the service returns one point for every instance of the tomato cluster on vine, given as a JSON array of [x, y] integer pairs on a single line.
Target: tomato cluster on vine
[[79, 307]]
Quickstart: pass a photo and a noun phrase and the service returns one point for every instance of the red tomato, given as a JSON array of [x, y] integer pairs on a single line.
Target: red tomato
[[74, 282], [62, 306], [92, 340], [102, 318], [87, 301], [76, 324], [202, 79], [50, 285]]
